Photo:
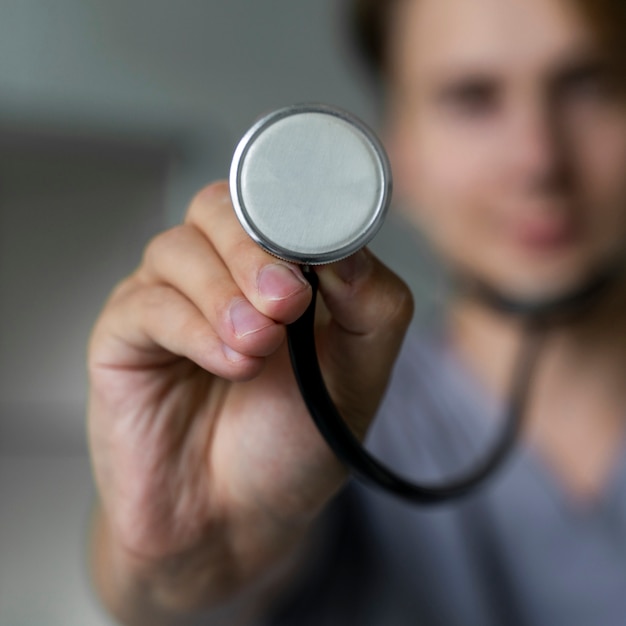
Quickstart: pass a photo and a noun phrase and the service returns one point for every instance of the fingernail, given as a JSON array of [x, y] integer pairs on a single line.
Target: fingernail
[[279, 281], [354, 266], [232, 355], [245, 319]]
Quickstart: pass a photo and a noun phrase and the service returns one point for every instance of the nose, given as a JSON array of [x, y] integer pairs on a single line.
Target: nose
[[537, 154]]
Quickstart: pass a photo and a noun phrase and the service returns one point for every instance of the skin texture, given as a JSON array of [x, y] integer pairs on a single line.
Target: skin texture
[[507, 134], [209, 467]]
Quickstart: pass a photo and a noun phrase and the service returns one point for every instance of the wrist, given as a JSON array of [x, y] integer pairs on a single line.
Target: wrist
[[138, 590], [169, 590]]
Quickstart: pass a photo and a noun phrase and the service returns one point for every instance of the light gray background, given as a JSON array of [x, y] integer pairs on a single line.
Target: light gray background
[[112, 114]]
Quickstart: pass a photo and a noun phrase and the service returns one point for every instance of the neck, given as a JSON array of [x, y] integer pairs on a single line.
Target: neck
[[592, 341], [578, 400]]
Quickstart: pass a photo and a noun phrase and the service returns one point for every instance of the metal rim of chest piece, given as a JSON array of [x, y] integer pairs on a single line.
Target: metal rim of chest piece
[[310, 183]]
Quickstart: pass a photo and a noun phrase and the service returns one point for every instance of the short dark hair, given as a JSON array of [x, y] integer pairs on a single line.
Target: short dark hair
[[608, 17], [369, 24], [368, 30]]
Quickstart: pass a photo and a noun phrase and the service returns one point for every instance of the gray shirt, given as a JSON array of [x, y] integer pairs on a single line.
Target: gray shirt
[[518, 552]]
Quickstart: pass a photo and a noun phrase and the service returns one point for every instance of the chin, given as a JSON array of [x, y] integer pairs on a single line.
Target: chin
[[542, 288], [533, 289]]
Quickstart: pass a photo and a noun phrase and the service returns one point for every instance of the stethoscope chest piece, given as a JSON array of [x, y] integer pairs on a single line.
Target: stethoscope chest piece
[[310, 183]]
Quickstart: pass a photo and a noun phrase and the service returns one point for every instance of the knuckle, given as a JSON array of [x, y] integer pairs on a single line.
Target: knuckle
[[165, 243], [398, 302], [405, 308], [155, 247], [210, 198]]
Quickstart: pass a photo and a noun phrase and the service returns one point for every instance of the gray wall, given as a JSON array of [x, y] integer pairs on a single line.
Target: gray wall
[[112, 113]]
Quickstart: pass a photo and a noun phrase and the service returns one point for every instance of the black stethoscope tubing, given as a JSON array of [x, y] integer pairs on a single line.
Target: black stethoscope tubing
[[348, 448]]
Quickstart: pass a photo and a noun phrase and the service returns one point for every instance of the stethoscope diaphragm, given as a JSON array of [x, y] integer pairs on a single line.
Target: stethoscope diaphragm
[[310, 183]]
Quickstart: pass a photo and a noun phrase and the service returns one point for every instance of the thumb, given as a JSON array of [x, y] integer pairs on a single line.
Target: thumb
[[368, 310]]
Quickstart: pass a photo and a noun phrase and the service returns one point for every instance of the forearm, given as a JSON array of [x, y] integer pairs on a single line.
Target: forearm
[[206, 586]]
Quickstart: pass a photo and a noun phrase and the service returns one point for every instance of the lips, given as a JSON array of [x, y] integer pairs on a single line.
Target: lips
[[544, 234]]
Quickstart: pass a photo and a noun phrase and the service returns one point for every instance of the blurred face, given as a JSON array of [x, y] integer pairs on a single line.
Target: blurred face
[[508, 139]]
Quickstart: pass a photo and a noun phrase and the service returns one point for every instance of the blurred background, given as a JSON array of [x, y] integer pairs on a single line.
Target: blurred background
[[112, 114]]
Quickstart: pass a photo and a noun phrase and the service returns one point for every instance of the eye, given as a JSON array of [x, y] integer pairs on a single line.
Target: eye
[[475, 98], [589, 82]]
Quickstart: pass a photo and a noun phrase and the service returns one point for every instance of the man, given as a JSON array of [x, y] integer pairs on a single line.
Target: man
[[506, 127]]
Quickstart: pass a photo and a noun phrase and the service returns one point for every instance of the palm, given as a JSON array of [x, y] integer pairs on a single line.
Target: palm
[[200, 448]]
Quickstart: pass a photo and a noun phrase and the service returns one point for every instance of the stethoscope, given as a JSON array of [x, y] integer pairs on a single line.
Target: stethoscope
[[311, 184]]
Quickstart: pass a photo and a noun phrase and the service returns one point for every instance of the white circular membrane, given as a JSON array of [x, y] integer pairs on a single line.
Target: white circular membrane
[[310, 184]]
